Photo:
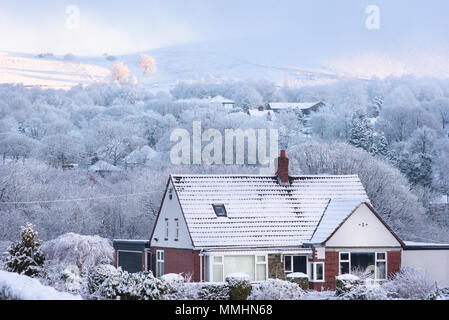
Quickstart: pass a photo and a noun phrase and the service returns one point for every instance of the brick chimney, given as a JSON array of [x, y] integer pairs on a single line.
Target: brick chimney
[[282, 168]]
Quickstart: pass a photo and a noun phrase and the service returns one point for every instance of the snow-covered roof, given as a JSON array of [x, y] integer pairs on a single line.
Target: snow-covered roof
[[141, 156], [410, 245], [103, 166], [335, 213], [221, 100], [260, 211], [260, 113], [292, 105]]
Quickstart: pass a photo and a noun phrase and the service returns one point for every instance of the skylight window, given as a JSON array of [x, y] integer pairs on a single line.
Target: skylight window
[[220, 210]]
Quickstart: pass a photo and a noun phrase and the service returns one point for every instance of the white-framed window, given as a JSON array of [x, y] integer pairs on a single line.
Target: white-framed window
[[160, 263], [217, 269], [295, 264], [381, 265], [345, 262], [261, 268], [255, 266], [318, 271], [372, 265]]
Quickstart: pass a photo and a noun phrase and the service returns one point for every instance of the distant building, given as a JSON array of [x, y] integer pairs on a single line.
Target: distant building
[[102, 167], [226, 103], [306, 107]]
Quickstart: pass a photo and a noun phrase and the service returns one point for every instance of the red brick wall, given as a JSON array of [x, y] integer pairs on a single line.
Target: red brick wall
[[185, 261], [331, 270], [393, 262]]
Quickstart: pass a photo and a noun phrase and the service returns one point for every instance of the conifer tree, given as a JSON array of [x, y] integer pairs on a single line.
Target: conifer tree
[[25, 256]]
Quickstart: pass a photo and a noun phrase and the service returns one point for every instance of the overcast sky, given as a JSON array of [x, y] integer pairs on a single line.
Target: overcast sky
[[291, 30]]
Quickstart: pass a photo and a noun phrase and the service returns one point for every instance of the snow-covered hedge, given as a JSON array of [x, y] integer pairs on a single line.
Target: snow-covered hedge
[[122, 285], [276, 289], [98, 274], [239, 286], [19, 287]]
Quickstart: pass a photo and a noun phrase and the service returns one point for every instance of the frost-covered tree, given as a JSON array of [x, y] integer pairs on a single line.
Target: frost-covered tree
[[147, 64], [361, 132], [25, 256], [120, 73]]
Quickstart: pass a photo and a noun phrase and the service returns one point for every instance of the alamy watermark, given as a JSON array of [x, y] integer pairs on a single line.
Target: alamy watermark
[[73, 19], [372, 22], [207, 147]]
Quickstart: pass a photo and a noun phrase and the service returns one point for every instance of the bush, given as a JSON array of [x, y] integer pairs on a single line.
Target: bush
[[410, 283], [276, 289], [301, 279], [346, 283], [122, 285], [98, 274], [214, 291], [239, 286]]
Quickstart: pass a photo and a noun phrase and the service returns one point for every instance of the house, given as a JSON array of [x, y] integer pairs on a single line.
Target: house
[[261, 113], [102, 167], [140, 157], [226, 103], [268, 226], [306, 107]]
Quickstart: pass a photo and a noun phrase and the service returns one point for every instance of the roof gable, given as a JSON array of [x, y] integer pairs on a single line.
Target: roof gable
[[261, 212], [365, 228]]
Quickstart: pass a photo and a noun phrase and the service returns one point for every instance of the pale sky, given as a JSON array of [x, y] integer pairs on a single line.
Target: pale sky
[[292, 30]]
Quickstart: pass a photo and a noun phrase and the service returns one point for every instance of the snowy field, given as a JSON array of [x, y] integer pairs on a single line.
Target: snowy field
[[173, 66]]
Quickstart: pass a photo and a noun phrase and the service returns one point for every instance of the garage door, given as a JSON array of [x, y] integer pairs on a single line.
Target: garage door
[[130, 261]]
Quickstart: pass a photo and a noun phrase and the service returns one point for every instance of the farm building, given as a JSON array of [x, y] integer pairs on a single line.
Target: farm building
[[268, 226]]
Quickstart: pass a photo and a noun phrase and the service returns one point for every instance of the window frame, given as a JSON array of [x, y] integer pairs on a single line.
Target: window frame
[[220, 206], [160, 260], [384, 260], [222, 264], [376, 260], [315, 273], [291, 262]]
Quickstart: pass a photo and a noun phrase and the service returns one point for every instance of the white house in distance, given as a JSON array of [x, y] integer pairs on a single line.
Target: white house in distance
[[268, 226]]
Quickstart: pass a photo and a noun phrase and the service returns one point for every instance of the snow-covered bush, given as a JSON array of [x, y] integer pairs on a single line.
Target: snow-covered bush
[[410, 283], [72, 277], [239, 286], [19, 287], [25, 256], [82, 251], [213, 291], [98, 274], [346, 283], [276, 289], [301, 279], [122, 285]]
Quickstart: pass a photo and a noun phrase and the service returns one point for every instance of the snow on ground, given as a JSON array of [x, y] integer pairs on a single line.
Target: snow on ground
[[173, 66], [18, 287], [49, 72]]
